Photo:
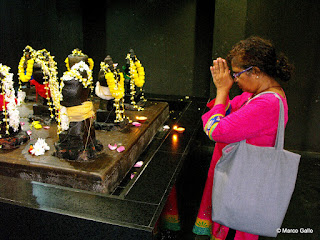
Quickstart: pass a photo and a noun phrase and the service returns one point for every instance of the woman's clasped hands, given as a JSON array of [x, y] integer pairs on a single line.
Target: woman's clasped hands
[[221, 75]]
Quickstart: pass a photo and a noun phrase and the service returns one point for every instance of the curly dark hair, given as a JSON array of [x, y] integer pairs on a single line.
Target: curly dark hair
[[256, 51]]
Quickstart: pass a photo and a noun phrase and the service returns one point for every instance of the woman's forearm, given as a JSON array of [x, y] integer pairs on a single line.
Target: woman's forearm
[[221, 97]]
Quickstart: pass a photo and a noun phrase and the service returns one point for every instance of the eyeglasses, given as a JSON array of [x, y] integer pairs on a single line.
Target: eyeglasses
[[236, 75]]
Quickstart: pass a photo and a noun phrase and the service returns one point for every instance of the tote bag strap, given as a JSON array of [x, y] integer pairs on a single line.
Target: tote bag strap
[[280, 131]]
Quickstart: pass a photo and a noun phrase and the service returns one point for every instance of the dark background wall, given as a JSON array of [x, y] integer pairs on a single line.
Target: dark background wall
[[176, 41], [55, 25]]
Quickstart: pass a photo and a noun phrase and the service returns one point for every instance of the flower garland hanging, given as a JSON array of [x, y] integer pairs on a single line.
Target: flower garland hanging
[[25, 74], [137, 72], [75, 72], [115, 81], [137, 78], [9, 108], [21, 71], [51, 85]]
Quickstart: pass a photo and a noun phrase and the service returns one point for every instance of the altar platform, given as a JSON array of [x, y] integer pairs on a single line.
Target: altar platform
[[101, 174], [42, 210]]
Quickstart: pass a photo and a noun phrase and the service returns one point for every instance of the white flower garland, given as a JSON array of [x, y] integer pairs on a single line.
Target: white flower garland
[[64, 118], [75, 72], [9, 98]]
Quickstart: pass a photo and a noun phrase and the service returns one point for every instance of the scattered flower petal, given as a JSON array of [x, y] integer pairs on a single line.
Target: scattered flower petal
[[30, 148], [136, 124], [132, 175], [29, 132], [37, 126], [120, 149], [46, 127], [166, 127], [112, 147], [22, 123], [138, 164]]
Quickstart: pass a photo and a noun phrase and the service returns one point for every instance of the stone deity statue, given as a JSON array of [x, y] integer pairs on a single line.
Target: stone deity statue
[[110, 90], [79, 142]]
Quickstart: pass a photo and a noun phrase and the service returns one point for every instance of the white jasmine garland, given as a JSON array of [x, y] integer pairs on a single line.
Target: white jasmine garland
[[21, 97], [9, 98], [81, 66], [64, 119], [75, 73]]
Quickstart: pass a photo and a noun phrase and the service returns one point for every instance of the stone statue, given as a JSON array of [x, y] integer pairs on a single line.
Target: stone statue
[[78, 142], [110, 90], [37, 68]]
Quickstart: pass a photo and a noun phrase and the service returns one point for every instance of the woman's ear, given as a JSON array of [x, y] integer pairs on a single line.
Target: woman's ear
[[256, 71]]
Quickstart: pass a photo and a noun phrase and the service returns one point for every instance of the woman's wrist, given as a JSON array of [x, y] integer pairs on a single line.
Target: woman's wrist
[[221, 97]]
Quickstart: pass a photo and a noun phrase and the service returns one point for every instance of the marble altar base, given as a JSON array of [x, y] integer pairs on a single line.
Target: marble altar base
[[104, 173]]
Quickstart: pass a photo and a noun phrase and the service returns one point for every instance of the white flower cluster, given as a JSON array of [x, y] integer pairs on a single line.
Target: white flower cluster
[[40, 147], [21, 97], [75, 73], [9, 98], [64, 119], [81, 66]]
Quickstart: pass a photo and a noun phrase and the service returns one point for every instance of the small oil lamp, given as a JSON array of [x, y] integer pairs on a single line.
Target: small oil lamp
[[141, 119], [178, 129]]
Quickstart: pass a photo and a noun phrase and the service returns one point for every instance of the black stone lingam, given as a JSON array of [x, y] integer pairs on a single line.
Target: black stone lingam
[[79, 142], [106, 112]]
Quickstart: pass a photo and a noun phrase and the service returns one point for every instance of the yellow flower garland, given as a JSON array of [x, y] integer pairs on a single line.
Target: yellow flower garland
[[49, 69], [137, 78], [21, 72], [115, 81], [91, 63], [116, 87], [137, 73]]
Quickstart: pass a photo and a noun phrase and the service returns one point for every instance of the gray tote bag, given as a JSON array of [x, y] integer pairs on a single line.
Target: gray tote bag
[[253, 185]]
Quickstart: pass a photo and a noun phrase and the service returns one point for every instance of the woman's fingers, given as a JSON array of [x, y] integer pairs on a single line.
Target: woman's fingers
[[221, 74], [225, 65], [215, 66], [212, 70], [220, 64]]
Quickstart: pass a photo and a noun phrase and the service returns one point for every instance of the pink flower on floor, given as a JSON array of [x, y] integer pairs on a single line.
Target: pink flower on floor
[[112, 147], [120, 149]]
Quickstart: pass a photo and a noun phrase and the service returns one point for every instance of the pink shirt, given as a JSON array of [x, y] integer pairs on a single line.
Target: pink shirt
[[257, 121]]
